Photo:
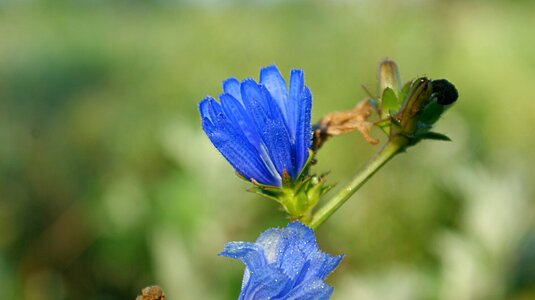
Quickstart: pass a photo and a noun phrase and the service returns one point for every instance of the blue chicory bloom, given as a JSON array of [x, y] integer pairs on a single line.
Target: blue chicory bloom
[[262, 129], [284, 264]]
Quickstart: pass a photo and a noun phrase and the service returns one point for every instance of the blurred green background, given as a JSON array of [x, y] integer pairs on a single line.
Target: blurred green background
[[107, 183]]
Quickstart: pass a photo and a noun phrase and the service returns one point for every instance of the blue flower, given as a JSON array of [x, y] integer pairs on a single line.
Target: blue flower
[[284, 264], [262, 129]]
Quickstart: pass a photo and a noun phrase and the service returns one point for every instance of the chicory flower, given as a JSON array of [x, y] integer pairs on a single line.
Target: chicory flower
[[262, 129], [284, 264]]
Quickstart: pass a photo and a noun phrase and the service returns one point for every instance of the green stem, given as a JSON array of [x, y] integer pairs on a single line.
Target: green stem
[[388, 151]]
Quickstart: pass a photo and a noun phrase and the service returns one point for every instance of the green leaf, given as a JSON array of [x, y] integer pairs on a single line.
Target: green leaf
[[266, 193], [305, 169], [389, 102], [431, 113], [435, 136], [404, 91]]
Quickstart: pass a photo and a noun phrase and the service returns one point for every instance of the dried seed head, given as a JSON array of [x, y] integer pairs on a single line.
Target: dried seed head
[[151, 293]]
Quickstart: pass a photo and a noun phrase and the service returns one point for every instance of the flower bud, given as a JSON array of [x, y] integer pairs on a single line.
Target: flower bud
[[409, 113], [417, 98], [388, 76], [445, 91]]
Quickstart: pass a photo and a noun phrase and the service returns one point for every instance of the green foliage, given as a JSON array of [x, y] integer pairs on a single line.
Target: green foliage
[[107, 183]]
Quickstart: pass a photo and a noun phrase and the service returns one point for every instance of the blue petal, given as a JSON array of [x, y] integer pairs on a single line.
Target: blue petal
[[258, 102], [272, 79], [297, 84], [303, 245], [311, 290], [284, 264], [232, 86], [206, 109], [301, 232], [268, 120], [255, 103], [323, 264], [237, 150], [262, 281], [300, 242], [330, 263], [249, 253], [274, 110], [296, 250], [271, 241], [237, 115], [303, 137], [296, 231], [279, 147], [270, 125], [266, 283], [293, 262]]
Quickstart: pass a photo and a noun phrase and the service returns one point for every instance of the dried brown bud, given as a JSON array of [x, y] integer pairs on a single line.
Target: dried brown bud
[[151, 293]]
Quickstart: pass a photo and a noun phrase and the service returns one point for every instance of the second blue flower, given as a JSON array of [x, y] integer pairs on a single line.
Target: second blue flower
[[262, 129]]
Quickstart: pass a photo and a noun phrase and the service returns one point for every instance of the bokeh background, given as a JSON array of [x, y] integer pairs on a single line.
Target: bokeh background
[[107, 183]]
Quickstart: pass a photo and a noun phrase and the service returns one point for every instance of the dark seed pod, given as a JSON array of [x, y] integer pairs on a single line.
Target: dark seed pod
[[445, 91]]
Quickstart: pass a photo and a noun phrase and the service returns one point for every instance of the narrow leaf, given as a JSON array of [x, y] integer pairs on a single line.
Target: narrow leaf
[[435, 136], [431, 113]]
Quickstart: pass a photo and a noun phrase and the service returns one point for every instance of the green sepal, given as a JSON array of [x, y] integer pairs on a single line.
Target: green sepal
[[286, 178], [307, 165], [404, 91], [241, 177], [431, 113], [425, 135], [273, 195], [297, 197], [264, 186], [435, 136], [389, 103]]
